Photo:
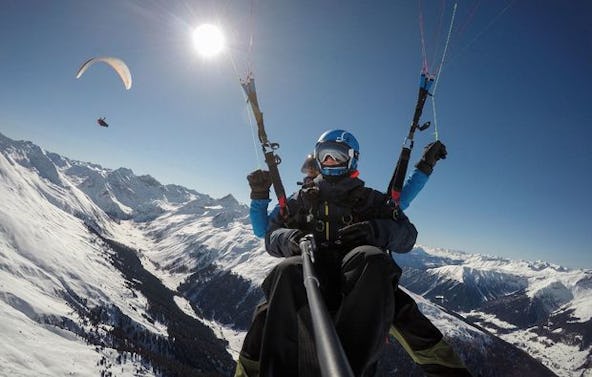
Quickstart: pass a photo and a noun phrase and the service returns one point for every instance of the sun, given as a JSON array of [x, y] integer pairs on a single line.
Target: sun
[[208, 40]]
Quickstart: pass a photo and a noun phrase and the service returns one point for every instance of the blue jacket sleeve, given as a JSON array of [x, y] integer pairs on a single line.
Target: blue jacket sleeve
[[258, 216], [412, 187]]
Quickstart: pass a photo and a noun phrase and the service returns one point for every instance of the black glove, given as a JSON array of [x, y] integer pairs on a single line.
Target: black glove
[[431, 153], [357, 234], [294, 240], [260, 181]]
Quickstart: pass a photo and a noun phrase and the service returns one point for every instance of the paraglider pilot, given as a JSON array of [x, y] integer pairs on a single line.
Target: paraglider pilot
[[355, 272], [101, 122]]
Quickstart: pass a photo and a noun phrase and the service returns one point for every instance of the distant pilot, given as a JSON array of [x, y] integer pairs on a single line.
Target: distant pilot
[[101, 122]]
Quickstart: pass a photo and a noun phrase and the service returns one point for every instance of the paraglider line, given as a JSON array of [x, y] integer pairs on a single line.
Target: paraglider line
[[255, 146], [439, 71], [460, 30], [439, 29], [485, 29], [251, 38], [421, 34]]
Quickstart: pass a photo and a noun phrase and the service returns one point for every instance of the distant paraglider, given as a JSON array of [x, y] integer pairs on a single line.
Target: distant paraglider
[[117, 64], [101, 122]]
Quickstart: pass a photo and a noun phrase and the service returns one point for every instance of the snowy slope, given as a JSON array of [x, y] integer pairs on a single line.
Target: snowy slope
[[56, 275], [48, 259]]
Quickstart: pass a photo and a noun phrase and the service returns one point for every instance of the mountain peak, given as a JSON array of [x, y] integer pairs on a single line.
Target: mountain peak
[[228, 200]]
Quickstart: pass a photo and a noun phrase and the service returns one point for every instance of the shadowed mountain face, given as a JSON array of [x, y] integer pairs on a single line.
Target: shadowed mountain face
[[162, 280]]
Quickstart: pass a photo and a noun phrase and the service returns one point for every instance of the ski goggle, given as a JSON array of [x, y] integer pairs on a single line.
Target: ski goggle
[[339, 152], [310, 166]]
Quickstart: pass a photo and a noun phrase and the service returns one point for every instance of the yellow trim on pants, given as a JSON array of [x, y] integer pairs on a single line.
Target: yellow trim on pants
[[441, 353], [246, 367]]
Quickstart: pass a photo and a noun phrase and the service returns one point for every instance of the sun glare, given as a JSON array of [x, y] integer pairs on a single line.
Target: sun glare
[[208, 40]]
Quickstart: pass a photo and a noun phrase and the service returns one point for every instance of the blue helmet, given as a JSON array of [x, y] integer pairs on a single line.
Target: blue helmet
[[342, 147]]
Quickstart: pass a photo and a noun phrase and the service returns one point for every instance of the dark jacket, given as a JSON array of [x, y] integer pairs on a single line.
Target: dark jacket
[[329, 204], [260, 219]]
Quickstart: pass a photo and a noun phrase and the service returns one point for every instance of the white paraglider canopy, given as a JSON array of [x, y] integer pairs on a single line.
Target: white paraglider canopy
[[117, 64]]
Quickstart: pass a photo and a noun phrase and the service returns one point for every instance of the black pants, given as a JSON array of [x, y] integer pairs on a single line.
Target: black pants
[[358, 290], [414, 331]]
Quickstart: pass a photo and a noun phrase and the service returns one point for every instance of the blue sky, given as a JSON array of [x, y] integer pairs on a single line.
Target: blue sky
[[512, 102]]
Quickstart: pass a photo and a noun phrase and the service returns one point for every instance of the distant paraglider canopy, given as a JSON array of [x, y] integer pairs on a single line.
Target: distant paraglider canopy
[[101, 122], [117, 64]]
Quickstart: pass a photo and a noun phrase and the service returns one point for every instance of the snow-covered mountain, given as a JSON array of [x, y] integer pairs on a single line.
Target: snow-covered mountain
[[103, 272], [543, 308]]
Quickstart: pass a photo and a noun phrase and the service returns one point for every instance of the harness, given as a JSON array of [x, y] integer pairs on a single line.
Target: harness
[[323, 211]]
